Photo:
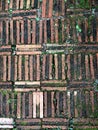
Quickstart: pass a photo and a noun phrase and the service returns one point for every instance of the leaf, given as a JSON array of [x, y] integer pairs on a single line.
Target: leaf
[[93, 11], [9, 101], [37, 19], [65, 0], [8, 1], [78, 28]]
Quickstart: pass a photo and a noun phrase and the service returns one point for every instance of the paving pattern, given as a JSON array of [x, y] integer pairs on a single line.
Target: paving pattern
[[47, 69]]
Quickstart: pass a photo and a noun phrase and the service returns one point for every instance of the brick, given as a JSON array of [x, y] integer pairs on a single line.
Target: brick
[[17, 4], [54, 119], [5, 53], [57, 97], [56, 66], [40, 31], [41, 104], [75, 102], [69, 67], [63, 8], [23, 106], [45, 104], [86, 27], [87, 99], [92, 67], [52, 30], [52, 104], [87, 66], [68, 101], [56, 30], [24, 90], [44, 8], [29, 29], [33, 31], [54, 126], [75, 67], [6, 126], [50, 8], [50, 66], [9, 68], [53, 88], [43, 66], [19, 105], [22, 31], [45, 31], [7, 32], [38, 68], [37, 104], [16, 63], [80, 68], [36, 120], [12, 105], [28, 4], [21, 4], [19, 67], [37, 83], [34, 104], [63, 29], [31, 68], [11, 4], [29, 127], [4, 68], [11, 32], [79, 35], [30, 105], [92, 100], [26, 67], [63, 66], [32, 3], [18, 31], [73, 31], [27, 47], [64, 103]]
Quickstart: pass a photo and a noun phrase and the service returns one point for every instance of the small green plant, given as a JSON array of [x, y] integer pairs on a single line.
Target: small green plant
[[23, 123], [83, 4], [95, 84], [15, 129]]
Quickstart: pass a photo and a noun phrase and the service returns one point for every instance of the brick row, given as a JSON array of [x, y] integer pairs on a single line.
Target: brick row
[[28, 123], [53, 67], [31, 31], [7, 104], [52, 123], [6, 68], [59, 7], [68, 104], [19, 32], [20, 4], [60, 104], [29, 105], [54, 105], [27, 67], [51, 8]]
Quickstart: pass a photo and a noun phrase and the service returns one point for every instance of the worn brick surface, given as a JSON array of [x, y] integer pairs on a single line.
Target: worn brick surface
[[47, 80]]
